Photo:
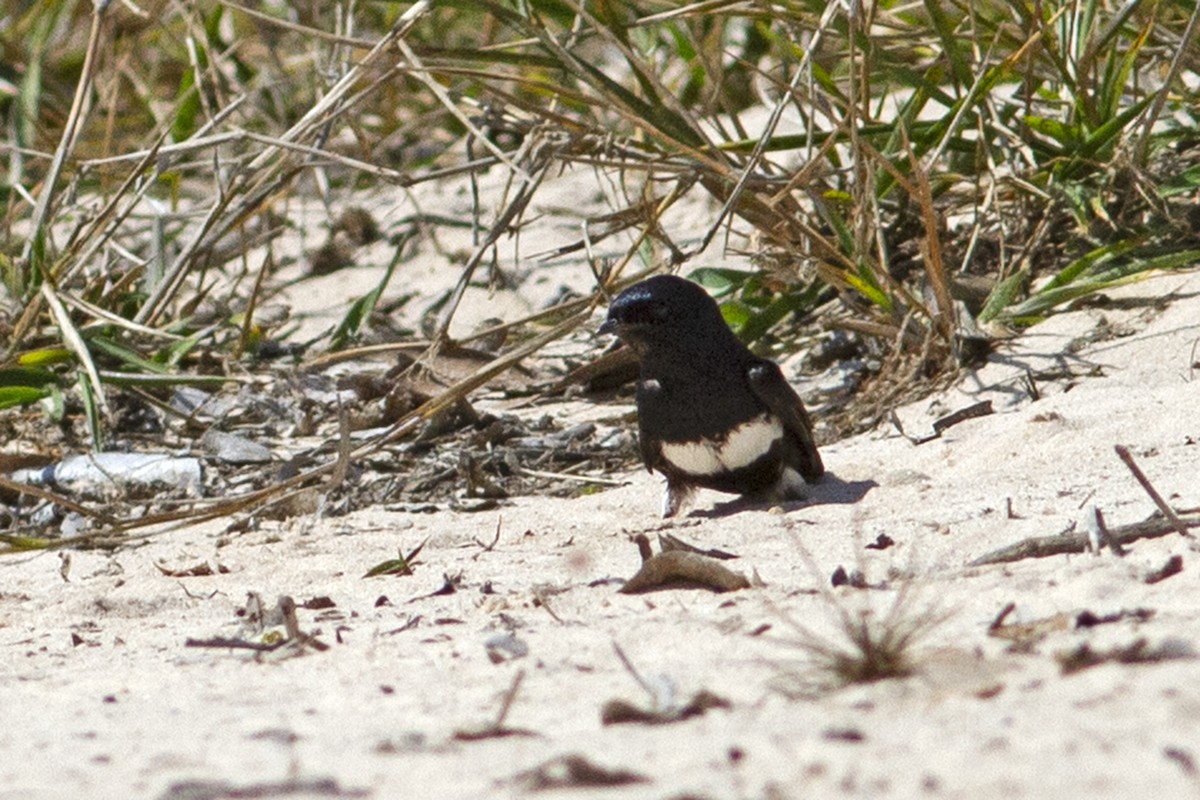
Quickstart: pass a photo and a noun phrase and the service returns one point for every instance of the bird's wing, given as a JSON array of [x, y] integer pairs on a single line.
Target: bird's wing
[[650, 450], [650, 447], [768, 384]]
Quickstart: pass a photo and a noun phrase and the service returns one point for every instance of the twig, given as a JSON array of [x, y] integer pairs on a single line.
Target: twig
[[74, 342], [1077, 542], [1167, 511], [566, 476], [1098, 533], [633, 671], [1160, 100], [501, 226], [998, 622], [268, 265], [235, 644], [342, 464], [540, 596], [509, 697], [498, 729], [83, 93], [487, 548], [57, 499], [946, 318], [270, 168]]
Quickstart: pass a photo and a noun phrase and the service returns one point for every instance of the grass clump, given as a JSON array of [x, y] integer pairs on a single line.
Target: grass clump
[[864, 647]]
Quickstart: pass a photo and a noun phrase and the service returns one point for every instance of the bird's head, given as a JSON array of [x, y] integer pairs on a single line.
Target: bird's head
[[665, 311]]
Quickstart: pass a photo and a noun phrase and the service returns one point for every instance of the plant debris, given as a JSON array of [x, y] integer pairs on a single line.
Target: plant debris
[[663, 707], [854, 578], [852, 735], [222, 790], [401, 565], [203, 569], [1179, 525], [505, 647], [575, 771], [941, 425], [1174, 566], [668, 542], [262, 622], [616, 712], [1138, 652], [1025, 635], [497, 729], [1087, 619], [681, 569], [1152, 527], [1183, 758]]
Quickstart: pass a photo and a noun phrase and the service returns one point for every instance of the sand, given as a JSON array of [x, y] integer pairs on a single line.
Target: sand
[[102, 698]]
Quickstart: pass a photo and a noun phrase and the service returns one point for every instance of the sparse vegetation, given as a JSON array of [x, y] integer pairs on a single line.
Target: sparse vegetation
[[866, 646], [896, 170]]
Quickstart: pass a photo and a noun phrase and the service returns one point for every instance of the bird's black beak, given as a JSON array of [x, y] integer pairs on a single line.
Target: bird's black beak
[[610, 326]]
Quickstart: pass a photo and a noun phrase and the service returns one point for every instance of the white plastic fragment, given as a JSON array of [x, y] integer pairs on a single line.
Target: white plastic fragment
[[100, 473], [1092, 523]]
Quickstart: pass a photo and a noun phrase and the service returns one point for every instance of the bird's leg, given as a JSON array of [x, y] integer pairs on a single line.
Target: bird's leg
[[675, 497], [790, 486]]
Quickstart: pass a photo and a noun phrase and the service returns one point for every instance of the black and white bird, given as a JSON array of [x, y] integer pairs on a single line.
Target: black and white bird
[[710, 413]]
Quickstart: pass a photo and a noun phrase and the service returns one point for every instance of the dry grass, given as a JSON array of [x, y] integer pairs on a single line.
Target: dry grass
[[896, 171]]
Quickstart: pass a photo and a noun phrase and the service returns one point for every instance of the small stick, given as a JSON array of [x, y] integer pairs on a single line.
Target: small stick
[[507, 701], [287, 608], [998, 622], [643, 545], [341, 466], [566, 476], [235, 644], [544, 603], [498, 729], [1167, 511], [487, 548], [633, 671], [1106, 535], [1071, 542], [58, 499]]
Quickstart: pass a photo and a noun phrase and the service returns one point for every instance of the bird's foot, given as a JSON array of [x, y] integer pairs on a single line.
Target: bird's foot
[[790, 486]]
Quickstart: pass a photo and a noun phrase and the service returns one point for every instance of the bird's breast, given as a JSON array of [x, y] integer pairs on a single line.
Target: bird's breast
[[740, 447]]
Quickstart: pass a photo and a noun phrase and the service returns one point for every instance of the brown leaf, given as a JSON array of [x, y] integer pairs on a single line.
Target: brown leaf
[[616, 712], [203, 569], [678, 569], [574, 771]]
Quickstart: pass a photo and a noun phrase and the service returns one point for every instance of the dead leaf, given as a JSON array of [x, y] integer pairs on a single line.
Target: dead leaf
[[574, 771], [1024, 635], [678, 569], [203, 569], [616, 712], [1138, 652]]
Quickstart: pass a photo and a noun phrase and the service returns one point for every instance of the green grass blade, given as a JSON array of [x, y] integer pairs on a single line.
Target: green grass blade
[[21, 395], [1003, 295], [360, 310]]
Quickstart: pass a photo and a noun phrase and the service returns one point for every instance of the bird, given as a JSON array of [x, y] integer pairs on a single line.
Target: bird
[[710, 413]]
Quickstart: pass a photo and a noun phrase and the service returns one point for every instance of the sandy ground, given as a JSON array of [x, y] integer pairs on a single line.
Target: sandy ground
[[101, 697]]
